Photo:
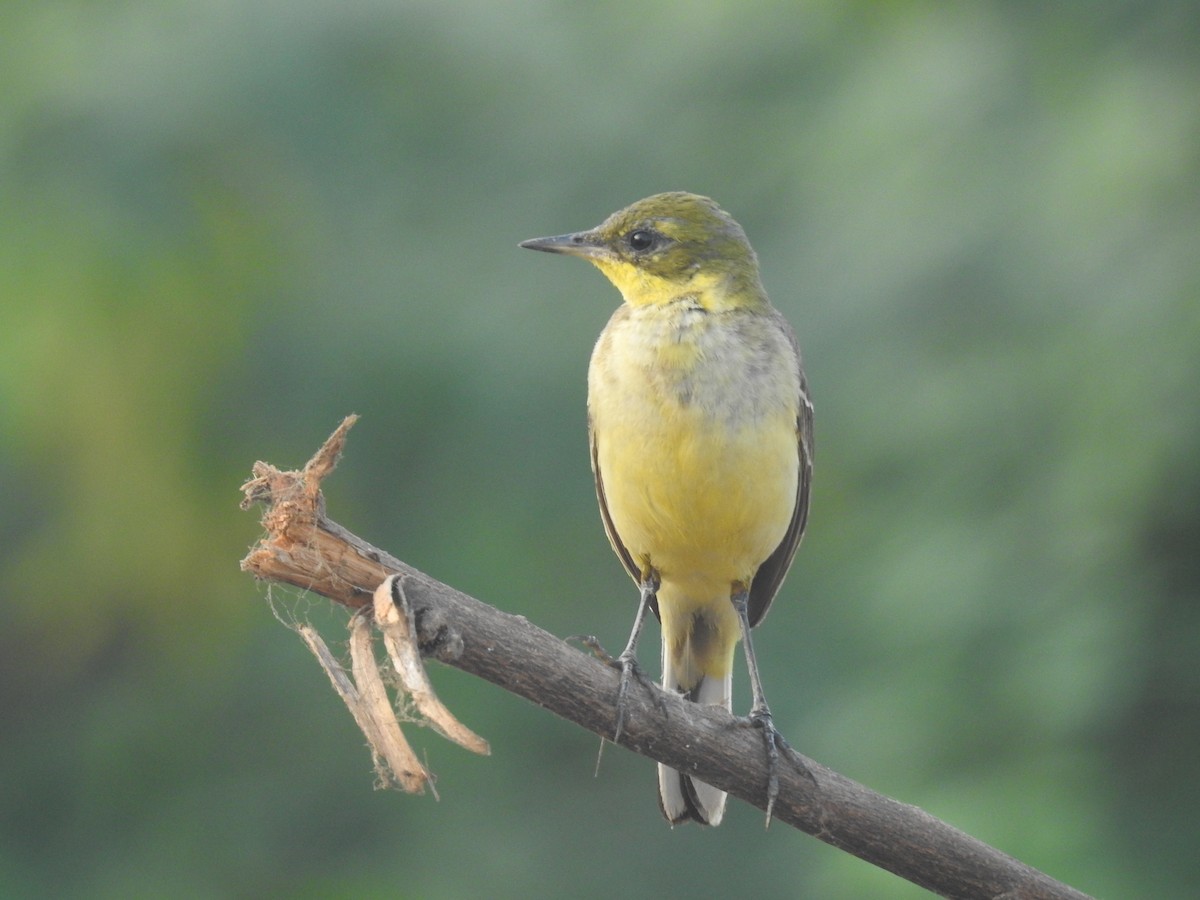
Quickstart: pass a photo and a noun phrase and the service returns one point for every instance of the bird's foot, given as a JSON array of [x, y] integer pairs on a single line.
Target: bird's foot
[[760, 717], [631, 670]]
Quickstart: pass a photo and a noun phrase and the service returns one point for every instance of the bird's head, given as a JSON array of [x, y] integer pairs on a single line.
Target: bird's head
[[666, 247]]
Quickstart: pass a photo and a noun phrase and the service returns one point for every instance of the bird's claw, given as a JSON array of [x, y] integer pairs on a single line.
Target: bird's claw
[[772, 739], [630, 670]]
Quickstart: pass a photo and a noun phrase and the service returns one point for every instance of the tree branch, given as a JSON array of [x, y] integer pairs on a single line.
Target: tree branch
[[306, 549]]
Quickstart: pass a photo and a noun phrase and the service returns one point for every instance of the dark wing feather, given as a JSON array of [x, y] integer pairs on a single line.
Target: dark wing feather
[[770, 574]]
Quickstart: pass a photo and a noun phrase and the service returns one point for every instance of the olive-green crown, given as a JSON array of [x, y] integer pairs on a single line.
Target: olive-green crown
[[676, 234]]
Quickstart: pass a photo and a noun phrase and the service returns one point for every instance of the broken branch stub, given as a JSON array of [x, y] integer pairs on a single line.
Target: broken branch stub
[[304, 549]]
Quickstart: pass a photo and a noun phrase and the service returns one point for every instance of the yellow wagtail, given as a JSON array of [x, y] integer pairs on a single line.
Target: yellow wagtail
[[701, 438]]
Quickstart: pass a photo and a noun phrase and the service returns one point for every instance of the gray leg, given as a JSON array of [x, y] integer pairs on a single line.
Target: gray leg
[[760, 714], [628, 658]]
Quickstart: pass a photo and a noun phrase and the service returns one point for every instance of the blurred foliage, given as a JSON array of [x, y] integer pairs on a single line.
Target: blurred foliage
[[224, 226]]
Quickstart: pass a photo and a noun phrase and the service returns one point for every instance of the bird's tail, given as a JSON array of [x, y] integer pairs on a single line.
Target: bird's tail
[[682, 797]]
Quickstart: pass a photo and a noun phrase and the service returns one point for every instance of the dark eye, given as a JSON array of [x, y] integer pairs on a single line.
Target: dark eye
[[642, 239]]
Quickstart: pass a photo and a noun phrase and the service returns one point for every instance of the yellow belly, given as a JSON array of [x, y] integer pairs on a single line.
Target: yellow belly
[[696, 500]]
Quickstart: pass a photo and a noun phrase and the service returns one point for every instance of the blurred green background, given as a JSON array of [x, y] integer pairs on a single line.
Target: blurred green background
[[224, 226]]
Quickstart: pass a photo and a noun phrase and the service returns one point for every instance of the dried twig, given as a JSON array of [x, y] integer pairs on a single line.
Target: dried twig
[[394, 618]]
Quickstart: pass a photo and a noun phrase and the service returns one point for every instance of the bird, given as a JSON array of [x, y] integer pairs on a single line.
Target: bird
[[700, 429]]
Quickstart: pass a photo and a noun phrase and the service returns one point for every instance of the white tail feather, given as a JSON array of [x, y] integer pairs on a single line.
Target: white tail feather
[[680, 796]]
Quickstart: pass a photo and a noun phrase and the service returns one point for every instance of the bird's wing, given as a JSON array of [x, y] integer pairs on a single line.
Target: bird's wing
[[611, 530], [770, 574]]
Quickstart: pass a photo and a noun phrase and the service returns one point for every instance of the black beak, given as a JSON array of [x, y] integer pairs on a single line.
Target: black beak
[[581, 243]]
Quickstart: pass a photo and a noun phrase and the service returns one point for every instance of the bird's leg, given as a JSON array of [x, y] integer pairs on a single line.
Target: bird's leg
[[627, 661], [760, 714]]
